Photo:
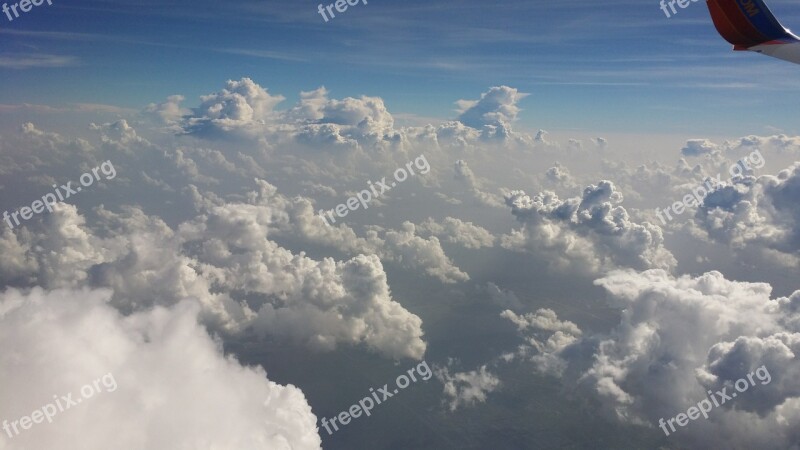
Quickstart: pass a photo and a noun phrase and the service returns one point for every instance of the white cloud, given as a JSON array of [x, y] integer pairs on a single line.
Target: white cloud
[[546, 337], [164, 367], [405, 247], [466, 388], [225, 260], [543, 319], [759, 214], [496, 107], [457, 231], [179, 223], [169, 112], [41, 60], [698, 147], [680, 337], [677, 339], [242, 106], [593, 232], [465, 175]]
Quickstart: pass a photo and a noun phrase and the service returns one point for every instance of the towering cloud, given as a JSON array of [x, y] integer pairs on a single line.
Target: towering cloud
[[593, 232], [678, 338]]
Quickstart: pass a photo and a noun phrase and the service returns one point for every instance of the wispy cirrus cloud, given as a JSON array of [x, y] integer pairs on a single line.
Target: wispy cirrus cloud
[[60, 35], [20, 61], [74, 107], [268, 54]]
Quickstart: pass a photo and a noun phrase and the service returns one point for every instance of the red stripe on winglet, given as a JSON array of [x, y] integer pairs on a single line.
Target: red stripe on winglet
[[732, 25]]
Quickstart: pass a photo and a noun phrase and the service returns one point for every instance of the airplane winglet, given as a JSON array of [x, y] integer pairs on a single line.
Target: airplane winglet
[[750, 25]]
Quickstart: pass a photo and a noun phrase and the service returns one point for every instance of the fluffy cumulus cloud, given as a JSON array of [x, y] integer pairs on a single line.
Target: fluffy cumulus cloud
[[600, 143], [169, 112], [496, 107], [30, 149], [546, 337], [241, 106], [353, 122], [687, 335], [463, 389], [493, 114], [212, 226], [17, 264], [158, 372], [777, 144], [758, 354], [559, 176], [405, 246], [543, 319], [658, 184], [244, 109], [697, 147], [295, 218], [457, 231], [756, 213], [467, 177], [318, 302], [678, 338], [225, 260], [593, 232]]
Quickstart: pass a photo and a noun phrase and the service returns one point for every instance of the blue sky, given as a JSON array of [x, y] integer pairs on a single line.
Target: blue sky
[[605, 67]]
